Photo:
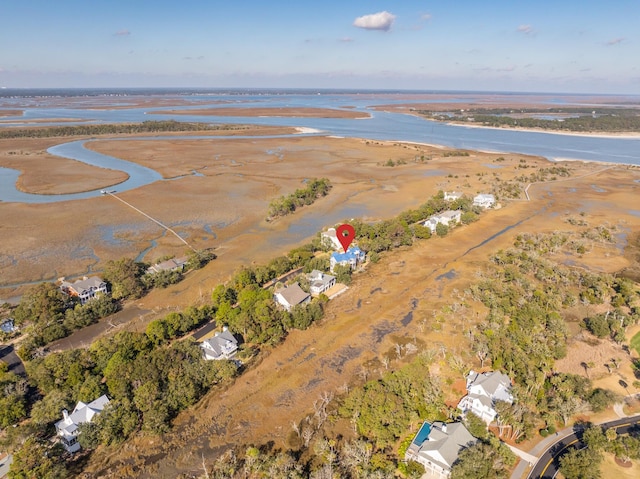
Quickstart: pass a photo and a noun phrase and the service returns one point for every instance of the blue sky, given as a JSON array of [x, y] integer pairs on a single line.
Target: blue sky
[[584, 46]]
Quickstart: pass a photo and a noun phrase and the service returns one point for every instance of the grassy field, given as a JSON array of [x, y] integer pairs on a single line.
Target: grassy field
[[611, 470]]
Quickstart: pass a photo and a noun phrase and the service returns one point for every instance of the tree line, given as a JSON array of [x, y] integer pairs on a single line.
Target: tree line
[[622, 120], [149, 126]]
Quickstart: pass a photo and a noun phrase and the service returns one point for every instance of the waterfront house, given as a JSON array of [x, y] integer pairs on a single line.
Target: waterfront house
[[291, 296], [320, 282], [221, 346], [353, 257], [329, 239], [84, 289], [173, 264], [452, 195], [446, 218], [484, 200]]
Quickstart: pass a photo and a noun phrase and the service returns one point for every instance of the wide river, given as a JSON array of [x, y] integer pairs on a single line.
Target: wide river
[[381, 126]]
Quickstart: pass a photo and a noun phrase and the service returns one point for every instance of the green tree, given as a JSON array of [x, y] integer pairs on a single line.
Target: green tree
[[476, 426], [442, 229], [49, 408], [343, 273], [88, 435], [594, 438], [483, 460], [468, 217], [600, 399], [117, 421], [43, 304], [581, 464], [13, 398], [421, 232], [125, 278], [38, 459]]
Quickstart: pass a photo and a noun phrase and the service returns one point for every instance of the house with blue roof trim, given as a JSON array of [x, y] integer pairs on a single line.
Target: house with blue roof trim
[[352, 257]]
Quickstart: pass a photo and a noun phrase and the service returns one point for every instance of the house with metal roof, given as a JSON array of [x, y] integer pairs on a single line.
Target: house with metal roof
[[67, 428], [353, 257]]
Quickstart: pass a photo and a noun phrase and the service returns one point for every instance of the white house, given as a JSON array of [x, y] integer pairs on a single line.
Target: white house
[[7, 326], [437, 445], [291, 296], [84, 289], [352, 257], [329, 238], [446, 218], [320, 282], [67, 428], [221, 346], [483, 390], [484, 200], [452, 195]]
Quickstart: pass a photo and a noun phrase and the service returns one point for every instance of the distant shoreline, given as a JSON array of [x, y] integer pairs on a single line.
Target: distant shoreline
[[617, 135]]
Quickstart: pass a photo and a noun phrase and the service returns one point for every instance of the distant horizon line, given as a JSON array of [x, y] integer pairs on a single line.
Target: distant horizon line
[[311, 89]]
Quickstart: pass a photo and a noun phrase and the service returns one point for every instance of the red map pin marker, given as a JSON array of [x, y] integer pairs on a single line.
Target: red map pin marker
[[345, 233]]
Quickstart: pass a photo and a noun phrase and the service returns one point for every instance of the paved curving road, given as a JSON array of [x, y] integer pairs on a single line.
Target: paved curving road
[[547, 465]]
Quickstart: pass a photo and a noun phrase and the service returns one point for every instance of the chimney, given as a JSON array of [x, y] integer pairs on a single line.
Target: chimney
[[224, 328], [444, 428], [65, 415]]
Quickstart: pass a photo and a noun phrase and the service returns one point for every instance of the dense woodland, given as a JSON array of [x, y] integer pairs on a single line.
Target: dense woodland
[[113, 129], [152, 376], [579, 119]]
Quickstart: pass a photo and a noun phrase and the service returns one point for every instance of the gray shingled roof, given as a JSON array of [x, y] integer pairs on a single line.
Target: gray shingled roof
[[293, 294], [448, 440], [490, 382], [217, 343]]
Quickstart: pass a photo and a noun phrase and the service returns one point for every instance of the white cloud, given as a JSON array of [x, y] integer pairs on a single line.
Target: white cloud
[[375, 21], [426, 17], [526, 29]]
